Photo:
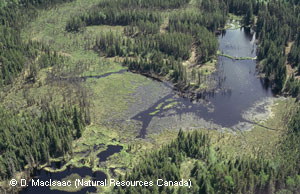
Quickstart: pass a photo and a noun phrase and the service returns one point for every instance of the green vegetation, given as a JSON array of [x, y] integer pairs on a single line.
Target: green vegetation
[[294, 56], [32, 139], [235, 22], [276, 27], [274, 39], [14, 53], [292, 85], [238, 58], [159, 106], [145, 50], [55, 84], [201, 156], [154, 113], [170, 105], [49, 113]]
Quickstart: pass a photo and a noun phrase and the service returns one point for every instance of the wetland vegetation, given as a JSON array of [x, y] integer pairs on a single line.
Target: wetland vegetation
[[141, 90]]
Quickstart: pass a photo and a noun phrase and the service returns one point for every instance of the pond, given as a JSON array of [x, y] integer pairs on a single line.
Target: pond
[[43, 175], [240, 89]]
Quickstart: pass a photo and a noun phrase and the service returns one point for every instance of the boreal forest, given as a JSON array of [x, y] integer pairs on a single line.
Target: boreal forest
[[203, 91]]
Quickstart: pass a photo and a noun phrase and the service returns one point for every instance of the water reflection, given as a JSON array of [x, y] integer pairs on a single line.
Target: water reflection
[[238, 86]]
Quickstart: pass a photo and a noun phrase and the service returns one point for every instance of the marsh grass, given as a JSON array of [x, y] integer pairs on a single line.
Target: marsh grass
[[110, 98]]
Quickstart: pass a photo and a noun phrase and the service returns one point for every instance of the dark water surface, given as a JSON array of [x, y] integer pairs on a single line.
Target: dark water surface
[[43, 175], [111, 149], [240, 89], [56, 165]]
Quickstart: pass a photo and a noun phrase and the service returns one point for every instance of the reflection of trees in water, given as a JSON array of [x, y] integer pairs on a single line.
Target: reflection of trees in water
[[214, 83]]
